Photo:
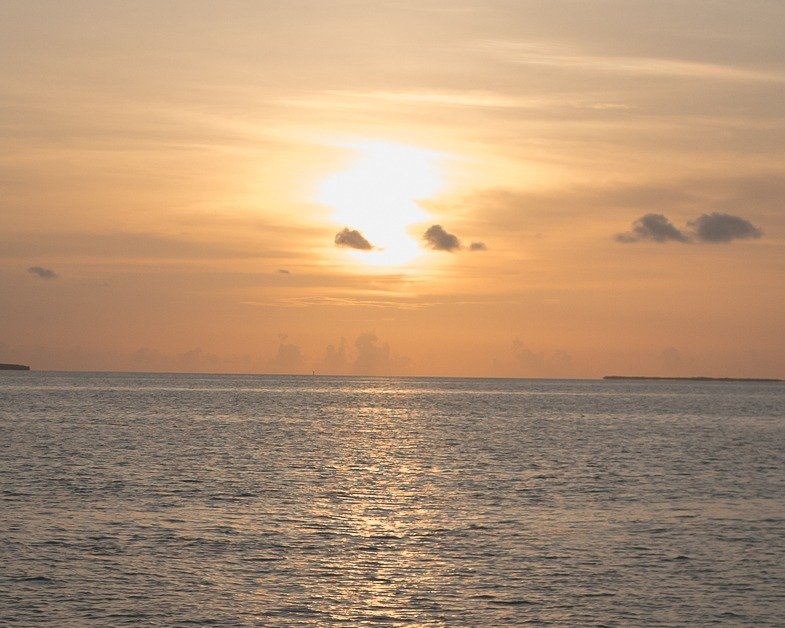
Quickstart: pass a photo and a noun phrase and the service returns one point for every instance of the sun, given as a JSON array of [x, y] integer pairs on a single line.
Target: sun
[[378, 196]]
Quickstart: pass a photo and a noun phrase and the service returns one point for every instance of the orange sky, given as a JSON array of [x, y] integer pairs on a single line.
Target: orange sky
[[174, 176]]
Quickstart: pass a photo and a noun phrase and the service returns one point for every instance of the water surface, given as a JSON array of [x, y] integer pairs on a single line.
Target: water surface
[[250, 500]]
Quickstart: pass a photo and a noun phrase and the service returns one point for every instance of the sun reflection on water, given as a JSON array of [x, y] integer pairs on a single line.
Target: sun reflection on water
[[376, 512]]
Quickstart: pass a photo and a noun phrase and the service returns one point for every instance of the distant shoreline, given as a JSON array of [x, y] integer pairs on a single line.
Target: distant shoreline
[[14, 367], [694, 379]]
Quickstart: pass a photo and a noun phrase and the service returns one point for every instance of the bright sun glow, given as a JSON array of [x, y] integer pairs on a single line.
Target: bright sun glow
[[377, 195]]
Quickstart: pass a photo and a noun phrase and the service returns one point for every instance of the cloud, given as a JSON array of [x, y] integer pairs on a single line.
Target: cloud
[[368, 355], [353, 239], [353, 99], [373, 357], [558, 55], [223, 244], [652, 227], [538, 363], [351, 302], [77, 358], [283, 271], [526, 357], [717, 227], [336, 359], [478, 246], [671, 359], [714, 228], [439, 240], [42, 273], [288, 357]]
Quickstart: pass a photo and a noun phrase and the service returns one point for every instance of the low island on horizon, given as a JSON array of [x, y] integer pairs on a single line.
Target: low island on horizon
[[14, 367], [694, 379]]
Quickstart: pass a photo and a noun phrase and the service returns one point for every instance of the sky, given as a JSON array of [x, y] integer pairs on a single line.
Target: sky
[[510, 188]]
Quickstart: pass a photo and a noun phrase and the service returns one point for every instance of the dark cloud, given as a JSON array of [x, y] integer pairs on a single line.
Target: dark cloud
[[283, 271], [478, 246], [714, 228], [42, 273], [353, 239], [717, 227], [439, 240], [654, 227]]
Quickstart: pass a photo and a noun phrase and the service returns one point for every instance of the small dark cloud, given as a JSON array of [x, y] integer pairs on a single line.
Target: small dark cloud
[[283, 271], [439, 240], [717, 227], [352, 239], [42, 273], [654, 227], [478, 246]]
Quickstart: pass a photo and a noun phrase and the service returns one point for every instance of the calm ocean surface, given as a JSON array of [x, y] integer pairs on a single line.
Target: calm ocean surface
[[252, 500]]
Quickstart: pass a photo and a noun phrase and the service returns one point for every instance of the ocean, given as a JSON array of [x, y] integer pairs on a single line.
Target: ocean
[[243, 500]]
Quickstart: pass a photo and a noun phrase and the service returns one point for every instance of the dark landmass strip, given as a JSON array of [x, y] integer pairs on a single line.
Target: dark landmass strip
[[14, 367], [694, 379]]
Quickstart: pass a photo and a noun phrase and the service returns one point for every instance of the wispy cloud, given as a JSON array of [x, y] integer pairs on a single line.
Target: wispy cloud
[[347, 302], [556, 54], [467, 99], [349, 99], [122, 245]]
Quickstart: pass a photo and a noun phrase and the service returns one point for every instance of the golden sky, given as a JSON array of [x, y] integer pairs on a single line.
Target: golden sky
[[417, 187]]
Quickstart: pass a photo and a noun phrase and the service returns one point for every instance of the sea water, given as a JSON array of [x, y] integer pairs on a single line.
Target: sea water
[[154, 499]]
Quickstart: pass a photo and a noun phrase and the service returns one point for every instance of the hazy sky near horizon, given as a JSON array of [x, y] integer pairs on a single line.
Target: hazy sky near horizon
[[499, 187]]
